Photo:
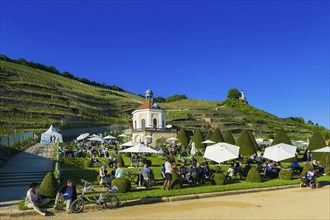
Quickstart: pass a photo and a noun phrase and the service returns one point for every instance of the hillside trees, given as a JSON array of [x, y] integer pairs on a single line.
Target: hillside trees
[[233, 94]]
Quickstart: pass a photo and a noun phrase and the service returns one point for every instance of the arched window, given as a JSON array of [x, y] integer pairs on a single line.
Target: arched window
[[155, 123], [143, 123]]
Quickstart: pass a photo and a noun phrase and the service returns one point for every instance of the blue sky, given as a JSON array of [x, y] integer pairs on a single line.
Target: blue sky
[[277, 52]]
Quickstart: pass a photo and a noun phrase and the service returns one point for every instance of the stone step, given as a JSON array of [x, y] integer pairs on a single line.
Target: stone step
[[21, 177], [20, 183], [13, 174]]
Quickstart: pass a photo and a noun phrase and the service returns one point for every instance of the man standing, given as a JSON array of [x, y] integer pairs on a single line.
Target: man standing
[[67, 193]]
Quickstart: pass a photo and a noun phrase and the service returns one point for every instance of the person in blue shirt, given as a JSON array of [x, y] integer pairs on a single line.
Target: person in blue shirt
[[67, 193]]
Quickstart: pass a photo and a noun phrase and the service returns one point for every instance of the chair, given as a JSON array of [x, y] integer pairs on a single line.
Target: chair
[[148, 179]]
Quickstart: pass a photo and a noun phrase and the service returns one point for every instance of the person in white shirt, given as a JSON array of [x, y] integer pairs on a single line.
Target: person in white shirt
[[168, 174], [33, 199]]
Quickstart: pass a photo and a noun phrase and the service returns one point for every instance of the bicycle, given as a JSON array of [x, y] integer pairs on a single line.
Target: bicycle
[[105, 198]]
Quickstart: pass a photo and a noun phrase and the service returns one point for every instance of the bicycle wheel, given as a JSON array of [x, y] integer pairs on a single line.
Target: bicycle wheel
[[77, 205], [111, 202]]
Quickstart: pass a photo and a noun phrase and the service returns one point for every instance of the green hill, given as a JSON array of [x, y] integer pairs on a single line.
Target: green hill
[[32, 99]]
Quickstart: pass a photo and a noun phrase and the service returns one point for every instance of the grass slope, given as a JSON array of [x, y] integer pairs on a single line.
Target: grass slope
[[31, 99]]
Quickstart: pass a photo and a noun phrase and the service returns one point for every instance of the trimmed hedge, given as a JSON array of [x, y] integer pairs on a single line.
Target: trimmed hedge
[[285, 174], [307, 167], [87, 163], [49, 186], [123, 184], [120, 161], [253, 176], [327, 171], [176, 182], [218, 179]]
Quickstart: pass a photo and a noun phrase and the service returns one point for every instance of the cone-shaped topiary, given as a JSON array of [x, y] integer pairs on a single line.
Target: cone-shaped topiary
[[217, 168], [245, 144], [218, 179], [282, 137], [209, 135], [49, 186], [327, 171], [182, 136], [176, 182], [228, 137], [87, 163], [285, 174], [253, 176], [307, 167], [315, 142], [123, 184], [253, 140], [120, 161], [217, 136], [323, 161], [198, 139]]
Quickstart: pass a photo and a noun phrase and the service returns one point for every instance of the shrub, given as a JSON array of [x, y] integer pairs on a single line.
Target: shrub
[[87, 163], [176, 182], [198, 139], [253, 140], [323, 161], [49, 186], [218, 179], [120, 161], [253, 176], [327, 171], [123, 184], [127, 154], [209, 135], [245, 144], [228, 137], [285, 174], [307, 167], [217, 136], [182, 136], [315, 142], [217, 169]]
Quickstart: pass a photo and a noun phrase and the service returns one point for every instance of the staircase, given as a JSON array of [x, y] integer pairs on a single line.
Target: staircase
[[21, 178]]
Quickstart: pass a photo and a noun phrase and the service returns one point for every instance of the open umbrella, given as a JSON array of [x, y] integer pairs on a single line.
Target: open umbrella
[[129, 144], [221, 152], [96, 138], [280, 152], [139, 148], [193, 150], [324, 150], [208, 142], [171, 139], [109, 137], [82, 136]]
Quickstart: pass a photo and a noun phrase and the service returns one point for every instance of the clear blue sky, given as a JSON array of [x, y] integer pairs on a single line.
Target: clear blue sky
[[277, 52]]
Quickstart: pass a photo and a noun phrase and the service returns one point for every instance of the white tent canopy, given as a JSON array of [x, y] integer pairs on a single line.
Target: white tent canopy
[[139, 148], [129, 144], [51, 132], [96, 138], [208, 142]]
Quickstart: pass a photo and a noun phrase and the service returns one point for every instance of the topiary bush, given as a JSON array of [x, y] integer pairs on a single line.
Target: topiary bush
[[87, 163], [176, 182], [285, 174], [49, 186], [253, 176], [307, 167], [327, 171], [120, 161], [217, 169], [123, 184], [218, 179], [127, 154]]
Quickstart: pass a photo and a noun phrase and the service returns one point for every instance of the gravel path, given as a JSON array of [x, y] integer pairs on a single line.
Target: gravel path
[[294, 203]]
